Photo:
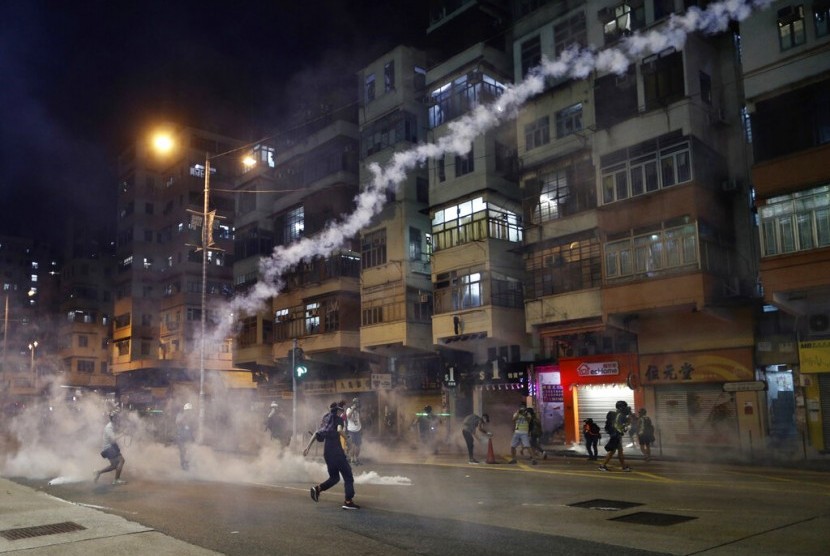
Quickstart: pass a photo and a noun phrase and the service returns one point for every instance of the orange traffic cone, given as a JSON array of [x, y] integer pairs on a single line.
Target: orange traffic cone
[[491, 457]]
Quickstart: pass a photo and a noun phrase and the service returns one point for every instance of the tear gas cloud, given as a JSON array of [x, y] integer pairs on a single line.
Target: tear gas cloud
[[63, 440]]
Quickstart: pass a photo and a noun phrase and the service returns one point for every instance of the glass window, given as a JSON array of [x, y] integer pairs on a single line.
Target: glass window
[[294, 224], [821, 18], [570, 32], [791, 32], [531, 52], [370, 87], [569, 120], [389, 76], [537, 133], [373, 249]]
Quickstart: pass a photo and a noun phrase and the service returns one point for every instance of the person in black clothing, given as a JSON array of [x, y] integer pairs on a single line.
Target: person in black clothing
[[331, 432], [592, 436]]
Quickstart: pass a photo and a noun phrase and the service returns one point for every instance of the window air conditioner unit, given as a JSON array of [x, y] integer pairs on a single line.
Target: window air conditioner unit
[[819, 323]]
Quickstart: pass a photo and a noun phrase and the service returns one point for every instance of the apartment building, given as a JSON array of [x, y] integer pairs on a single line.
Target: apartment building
[[312, 182], [638, 245], [786, 76], [395, 279], [157, 315], [85, 320], [476, 213], [28, 283]]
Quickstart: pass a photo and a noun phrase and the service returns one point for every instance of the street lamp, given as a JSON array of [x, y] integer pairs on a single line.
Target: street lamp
[[164, 143], [32, 348]]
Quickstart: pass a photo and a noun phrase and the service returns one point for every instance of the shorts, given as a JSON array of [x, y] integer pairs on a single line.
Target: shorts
[[613, 444], [356, 437], [520, 439], [112, 452]]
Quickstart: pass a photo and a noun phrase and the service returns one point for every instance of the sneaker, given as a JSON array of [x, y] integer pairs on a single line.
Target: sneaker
[[349, 505], [315, 493], [117, 482], [602, 468], [512, 460], [473, 461], [626, 469]]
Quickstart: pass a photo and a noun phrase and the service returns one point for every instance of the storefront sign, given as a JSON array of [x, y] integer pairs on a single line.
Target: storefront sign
[[354, 385], [727, 365], [744, 386], [598, 369], [814, 356], [319, 387], [552, 393], [381, 381]]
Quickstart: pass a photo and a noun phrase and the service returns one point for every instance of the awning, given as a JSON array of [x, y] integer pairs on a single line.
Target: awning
[[572, 327]]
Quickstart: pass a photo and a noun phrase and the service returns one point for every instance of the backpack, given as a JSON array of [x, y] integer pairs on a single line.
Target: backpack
[[328, 425], [647, 427], [594, 428]]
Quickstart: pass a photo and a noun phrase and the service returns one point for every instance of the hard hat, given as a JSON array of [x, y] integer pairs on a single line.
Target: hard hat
[[188, 406]]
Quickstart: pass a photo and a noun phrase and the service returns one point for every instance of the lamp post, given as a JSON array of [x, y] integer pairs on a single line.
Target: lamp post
[[32, 348], [164, 143]]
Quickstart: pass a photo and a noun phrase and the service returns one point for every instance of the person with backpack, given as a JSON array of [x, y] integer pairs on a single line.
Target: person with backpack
[[330, 433], [616, 425], [646, 436], [592, 435]]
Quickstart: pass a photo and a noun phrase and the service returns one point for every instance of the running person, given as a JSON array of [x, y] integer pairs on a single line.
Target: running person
[[112, 451], [330, 433]]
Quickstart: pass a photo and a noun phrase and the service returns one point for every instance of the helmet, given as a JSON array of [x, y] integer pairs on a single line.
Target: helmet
[[274, 404], [188, 406], [356, 401], [621, 404]]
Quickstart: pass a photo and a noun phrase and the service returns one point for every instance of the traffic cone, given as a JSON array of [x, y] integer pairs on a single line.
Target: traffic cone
[[491, 457]]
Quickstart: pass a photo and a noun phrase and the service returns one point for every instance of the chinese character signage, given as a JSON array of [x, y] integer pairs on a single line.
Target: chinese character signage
[[552, 393], [354, 385], [726, 365]]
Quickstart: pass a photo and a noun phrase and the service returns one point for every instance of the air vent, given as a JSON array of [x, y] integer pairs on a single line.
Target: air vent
[[819, 323]]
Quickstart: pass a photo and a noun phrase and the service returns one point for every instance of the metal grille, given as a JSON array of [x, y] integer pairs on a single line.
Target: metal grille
[[40, 530], [606, 505], [651, 518]]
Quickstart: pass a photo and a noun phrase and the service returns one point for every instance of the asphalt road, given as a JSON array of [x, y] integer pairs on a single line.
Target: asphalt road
[[444, 506]]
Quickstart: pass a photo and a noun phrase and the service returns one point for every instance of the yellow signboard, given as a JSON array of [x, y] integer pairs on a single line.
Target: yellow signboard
[[814, 356]]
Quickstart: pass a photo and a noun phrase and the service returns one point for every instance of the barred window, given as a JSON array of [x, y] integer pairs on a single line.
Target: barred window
[[373, 249], [537, 133]]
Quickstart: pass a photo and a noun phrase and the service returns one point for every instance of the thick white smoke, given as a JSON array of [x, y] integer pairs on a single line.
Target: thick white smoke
[[574, 63], [64, 442]]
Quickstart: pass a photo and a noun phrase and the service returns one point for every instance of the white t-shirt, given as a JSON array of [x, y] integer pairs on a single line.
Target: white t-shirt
[[353, 419]]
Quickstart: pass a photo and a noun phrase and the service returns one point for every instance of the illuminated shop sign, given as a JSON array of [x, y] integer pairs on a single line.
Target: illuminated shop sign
[[602, 368]]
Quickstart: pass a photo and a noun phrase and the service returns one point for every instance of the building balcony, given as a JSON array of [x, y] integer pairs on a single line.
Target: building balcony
[[477, 328], [792, 172], [798, 282], [564, 307]]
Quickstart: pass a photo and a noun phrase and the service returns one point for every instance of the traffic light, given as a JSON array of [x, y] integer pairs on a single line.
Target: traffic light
[[300, 369]]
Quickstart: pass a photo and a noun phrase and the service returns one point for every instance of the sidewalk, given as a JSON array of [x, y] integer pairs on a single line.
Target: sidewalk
[[40, 524]]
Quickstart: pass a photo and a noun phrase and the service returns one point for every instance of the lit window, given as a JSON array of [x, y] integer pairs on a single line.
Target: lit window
[[791, 31]]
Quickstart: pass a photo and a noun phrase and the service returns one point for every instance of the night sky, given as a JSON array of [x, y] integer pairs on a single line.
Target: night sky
[[80, 79]]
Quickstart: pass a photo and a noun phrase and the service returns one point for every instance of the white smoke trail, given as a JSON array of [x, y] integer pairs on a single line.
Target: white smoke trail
[[574, 63]]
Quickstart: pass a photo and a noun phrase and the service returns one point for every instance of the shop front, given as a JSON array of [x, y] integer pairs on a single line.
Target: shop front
[[583, 387], [814, 392], [704, 404]]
